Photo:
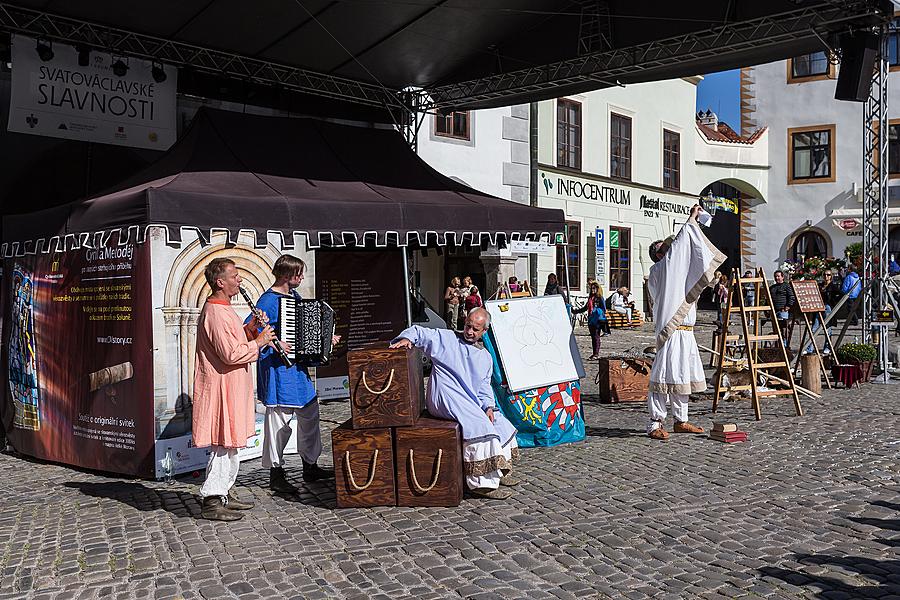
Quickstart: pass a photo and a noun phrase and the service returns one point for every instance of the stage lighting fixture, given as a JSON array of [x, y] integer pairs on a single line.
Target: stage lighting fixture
[[158, 72], [84, 56], [119, 68], [44, 50]]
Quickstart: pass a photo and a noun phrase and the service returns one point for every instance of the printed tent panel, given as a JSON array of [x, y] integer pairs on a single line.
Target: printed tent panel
[[334, 182]]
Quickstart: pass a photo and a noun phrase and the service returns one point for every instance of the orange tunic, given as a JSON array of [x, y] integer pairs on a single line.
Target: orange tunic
[[223, 388]]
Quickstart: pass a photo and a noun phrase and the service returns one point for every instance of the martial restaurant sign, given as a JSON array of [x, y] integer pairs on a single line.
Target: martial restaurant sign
[[60, 98], [651, 203]]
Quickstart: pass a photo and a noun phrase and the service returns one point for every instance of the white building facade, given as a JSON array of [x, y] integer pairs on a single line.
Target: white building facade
[[816, 158], [626, 165]]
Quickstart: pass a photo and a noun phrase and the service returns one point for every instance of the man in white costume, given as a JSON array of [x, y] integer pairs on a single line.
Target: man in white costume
[[459, 389], [684, 267]]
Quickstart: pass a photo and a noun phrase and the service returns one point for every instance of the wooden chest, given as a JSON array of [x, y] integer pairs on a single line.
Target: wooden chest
[[386, 387], [623, 380], [429, 468], [363, 466]]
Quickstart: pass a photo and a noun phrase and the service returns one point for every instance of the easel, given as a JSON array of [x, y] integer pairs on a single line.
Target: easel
[[809, 300], [751, 336], [504, 292]]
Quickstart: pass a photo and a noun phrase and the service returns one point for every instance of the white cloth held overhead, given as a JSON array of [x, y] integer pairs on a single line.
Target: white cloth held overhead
[[675, 284]]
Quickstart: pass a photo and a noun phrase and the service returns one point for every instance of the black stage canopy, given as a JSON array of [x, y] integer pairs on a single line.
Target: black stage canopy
[[464, 53], [340, 185]]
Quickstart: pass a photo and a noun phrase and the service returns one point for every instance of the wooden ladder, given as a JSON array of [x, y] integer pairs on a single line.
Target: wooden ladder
[[752, 337]]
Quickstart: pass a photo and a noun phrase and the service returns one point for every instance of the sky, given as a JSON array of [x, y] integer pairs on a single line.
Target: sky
[[720, 92]]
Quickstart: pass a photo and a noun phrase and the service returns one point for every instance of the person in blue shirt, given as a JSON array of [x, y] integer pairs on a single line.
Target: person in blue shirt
[[287, 392], [598, 325], [852, 286], [893, 267]]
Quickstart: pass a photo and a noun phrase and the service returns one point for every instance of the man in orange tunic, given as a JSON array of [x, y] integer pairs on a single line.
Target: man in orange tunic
[[223, 389]]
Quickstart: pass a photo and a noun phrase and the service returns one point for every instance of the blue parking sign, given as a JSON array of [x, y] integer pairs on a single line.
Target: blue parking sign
[[598, 235]]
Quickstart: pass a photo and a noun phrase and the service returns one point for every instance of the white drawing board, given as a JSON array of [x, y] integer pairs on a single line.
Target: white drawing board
[[532, 336]]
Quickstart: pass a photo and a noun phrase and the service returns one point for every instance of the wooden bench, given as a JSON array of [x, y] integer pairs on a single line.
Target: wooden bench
[[620, 321]]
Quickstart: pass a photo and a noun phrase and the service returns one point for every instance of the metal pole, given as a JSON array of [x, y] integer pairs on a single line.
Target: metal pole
[[875, 200]]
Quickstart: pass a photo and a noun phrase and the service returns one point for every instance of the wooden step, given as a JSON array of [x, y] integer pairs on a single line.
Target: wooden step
[[754, 338], [776, 393], [769, 365], [754, 308], [741, 388], [752, 280]]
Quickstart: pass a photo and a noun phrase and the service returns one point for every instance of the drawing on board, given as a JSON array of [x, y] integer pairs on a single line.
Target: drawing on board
[[532, 337]]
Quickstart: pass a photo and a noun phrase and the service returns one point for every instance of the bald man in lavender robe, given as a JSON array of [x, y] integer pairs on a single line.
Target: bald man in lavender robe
[[460, 390]]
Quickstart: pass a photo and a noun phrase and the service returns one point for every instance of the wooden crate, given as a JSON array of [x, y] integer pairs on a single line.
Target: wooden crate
[[363, 466], [386, 387], [429, 468], [623, 380]]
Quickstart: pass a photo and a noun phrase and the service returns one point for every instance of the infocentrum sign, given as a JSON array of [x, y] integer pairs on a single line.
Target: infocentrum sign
[[618, 196]]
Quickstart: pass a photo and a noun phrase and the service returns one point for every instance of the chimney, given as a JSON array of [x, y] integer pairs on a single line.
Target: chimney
[[709, 119]]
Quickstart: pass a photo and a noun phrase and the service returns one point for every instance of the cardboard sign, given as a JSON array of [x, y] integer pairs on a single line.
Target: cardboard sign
[[809, 298]]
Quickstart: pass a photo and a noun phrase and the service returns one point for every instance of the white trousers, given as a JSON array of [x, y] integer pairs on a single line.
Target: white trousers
[[221, 471], [492, 479], [656, 405], [623, 311], [278, 432]]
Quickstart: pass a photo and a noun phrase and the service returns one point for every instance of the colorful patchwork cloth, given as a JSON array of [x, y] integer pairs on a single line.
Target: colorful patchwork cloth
[[545, 416]]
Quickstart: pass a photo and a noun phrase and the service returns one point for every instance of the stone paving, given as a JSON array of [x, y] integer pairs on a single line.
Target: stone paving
[[809, 508]]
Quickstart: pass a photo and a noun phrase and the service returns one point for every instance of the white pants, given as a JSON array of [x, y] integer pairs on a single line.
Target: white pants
[[221, 471], [622, 310], [278, 432], [656, 405], [489, 480]]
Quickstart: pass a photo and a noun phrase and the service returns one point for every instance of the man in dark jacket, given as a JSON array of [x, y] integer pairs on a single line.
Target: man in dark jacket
[[783, 301]]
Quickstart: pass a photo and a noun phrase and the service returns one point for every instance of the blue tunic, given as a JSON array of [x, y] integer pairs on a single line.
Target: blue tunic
[[460, 384], [276, 385]]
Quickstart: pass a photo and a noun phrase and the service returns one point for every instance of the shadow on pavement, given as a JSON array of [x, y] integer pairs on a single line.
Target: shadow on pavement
[[178, 502], [318, 494], [613, 432], [877, 578]]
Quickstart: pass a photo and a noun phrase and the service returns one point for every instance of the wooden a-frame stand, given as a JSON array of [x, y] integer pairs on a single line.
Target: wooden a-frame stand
[[752, 336], [808, 330]]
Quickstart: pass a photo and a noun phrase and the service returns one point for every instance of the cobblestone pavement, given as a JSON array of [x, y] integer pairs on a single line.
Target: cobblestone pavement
[[810, 507]]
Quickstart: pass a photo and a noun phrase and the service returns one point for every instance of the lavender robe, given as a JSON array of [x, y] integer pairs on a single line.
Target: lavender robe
[[460, 384]]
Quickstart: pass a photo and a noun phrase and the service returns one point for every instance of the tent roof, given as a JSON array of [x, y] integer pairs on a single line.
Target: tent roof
[[338, 184], [472, 53]]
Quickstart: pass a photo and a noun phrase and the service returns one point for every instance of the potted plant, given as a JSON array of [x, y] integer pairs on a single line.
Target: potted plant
[[862, 355]]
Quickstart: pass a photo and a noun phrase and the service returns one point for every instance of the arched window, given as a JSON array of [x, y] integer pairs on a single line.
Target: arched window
[[809, 244]]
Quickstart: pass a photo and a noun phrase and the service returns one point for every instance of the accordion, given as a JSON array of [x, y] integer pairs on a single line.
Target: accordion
[[308, 326]]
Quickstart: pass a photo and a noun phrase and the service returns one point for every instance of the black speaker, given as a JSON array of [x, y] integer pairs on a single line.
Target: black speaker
[[858, 53]]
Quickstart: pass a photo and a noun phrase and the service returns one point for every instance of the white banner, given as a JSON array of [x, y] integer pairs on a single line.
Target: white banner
[[60, 98]]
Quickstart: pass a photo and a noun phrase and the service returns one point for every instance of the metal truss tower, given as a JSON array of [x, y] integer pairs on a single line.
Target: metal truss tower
[[875, 190]]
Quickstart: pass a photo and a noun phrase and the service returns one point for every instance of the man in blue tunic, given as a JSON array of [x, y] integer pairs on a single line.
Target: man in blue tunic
[[459, 389], [287, 392]]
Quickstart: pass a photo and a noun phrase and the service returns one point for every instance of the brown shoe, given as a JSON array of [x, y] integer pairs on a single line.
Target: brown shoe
[[234, 503], [510, 480], [493, 494], [686, 428], [659, 434], [213, 509]]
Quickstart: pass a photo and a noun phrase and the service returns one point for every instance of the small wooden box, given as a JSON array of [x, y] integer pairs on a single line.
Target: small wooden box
[[363, 467], [429, 468], [623, 380], [386, 387]]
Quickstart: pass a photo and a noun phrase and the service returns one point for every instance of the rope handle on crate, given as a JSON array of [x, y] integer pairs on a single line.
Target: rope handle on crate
[[415, 480], [353, 483], [384, 389]]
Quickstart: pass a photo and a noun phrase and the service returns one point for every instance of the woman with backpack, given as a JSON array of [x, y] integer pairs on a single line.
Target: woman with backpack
[[598, 326]]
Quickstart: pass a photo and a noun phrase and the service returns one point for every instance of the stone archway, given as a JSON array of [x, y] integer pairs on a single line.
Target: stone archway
[[185, 291]]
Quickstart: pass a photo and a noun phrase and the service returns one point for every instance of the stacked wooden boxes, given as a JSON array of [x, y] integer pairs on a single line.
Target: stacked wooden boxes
[[388, 453]]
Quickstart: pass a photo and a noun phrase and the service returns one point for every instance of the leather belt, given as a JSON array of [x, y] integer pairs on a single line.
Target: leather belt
[[685, 327]]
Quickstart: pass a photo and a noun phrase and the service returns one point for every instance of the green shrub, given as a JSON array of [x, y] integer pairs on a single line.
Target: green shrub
[[856, 353]]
